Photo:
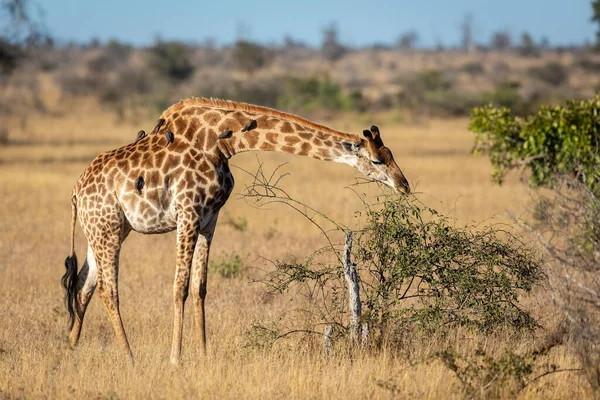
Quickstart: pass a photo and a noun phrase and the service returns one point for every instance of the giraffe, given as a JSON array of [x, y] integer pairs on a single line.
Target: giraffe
[[177, 177]]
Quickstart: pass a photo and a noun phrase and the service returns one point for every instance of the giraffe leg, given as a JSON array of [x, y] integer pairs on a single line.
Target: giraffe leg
[[199, 280], [86, 284], [108, 269], [187, 234]]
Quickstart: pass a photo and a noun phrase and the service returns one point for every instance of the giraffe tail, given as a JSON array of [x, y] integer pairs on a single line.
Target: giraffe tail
[[69, 279]]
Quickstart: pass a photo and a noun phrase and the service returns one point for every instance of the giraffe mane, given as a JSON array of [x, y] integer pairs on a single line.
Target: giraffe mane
[[232, 105]]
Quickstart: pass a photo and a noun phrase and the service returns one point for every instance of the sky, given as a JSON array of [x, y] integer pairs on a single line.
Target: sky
[[359, 23]]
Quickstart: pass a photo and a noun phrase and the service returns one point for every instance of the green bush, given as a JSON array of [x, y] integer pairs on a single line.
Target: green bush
[[250, 56], [313, 93], [553, 73], [506, 94], [172, 60], [554, 142], [418, 271], [227, 266]]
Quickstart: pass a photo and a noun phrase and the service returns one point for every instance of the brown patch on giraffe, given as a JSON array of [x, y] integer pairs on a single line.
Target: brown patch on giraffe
[[286, 127], [266, 122], [305, 149], [252, 138], [241, 146], [212, 190], [305, 135], [328, 143], [288, 149], [291, 140], [298, 127], [212, 118], [272, 137], [159, 157], [317, 142], [324, 152], [267, 147], [171, 161], [203, 167], [192, 128], [210, 175], [211, 139]]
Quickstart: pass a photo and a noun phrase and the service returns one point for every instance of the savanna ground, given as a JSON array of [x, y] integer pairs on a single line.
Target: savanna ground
[[37, 171]]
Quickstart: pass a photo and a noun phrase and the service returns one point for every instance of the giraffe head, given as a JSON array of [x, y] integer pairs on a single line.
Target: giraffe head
[[376, 161]]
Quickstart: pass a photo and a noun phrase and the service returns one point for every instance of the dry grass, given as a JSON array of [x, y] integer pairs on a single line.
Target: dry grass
[[35, 360]]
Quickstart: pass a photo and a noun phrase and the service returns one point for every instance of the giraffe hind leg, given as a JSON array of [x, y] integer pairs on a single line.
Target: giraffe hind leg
[[107, 259], [86, 284]]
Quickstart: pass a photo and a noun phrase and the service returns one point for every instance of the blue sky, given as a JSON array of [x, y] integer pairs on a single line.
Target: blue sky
[[359, 22]]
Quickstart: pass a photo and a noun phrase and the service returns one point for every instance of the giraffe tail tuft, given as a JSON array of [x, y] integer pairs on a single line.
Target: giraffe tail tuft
[[69, 279]]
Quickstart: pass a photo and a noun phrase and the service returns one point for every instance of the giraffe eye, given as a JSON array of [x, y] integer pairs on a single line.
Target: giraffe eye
[[377, 162]]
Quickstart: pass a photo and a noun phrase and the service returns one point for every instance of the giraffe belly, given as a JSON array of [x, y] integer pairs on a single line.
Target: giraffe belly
[[148, 212]]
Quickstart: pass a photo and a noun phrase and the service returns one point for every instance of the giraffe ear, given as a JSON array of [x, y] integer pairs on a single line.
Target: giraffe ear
[[367, 134], [376, 136]]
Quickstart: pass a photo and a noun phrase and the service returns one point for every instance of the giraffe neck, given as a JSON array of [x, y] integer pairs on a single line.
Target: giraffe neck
[[300, 140], [230, 128]]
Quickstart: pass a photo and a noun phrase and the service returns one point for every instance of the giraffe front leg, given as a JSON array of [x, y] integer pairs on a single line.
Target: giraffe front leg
[[199, 280], [187, 235]]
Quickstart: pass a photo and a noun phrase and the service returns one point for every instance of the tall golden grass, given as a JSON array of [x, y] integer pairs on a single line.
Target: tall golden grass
[[36, 176]]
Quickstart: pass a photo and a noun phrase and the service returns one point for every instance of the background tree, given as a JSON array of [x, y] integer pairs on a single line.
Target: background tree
[[466, 28], [331, 48], [408, 40], [596, 19], [500, 41], [559, 148]]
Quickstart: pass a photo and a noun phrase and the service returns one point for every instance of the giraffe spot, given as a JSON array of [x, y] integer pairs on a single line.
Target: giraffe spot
[[305, 135], [211, 139], [180, 125], [159, 158], [317, 142], [210, 175], [212, 118], [204, 167], [272, 137], [212, 190], [288, 149], [328, 143], [252, 138], [305, 149], [193, 126], [286, 127], [298, 127], [324, 152], [171, 161], [267, 147], [322, 136], [292, 140], [241, 146], [266, 122]]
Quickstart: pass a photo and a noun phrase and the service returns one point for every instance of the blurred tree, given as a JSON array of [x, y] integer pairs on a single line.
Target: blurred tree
[[172, 60], [250, 56], [500, 40], [466, 28], [21, 31], [528, 47], [596, 19], [331, 48], [408, 40]]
